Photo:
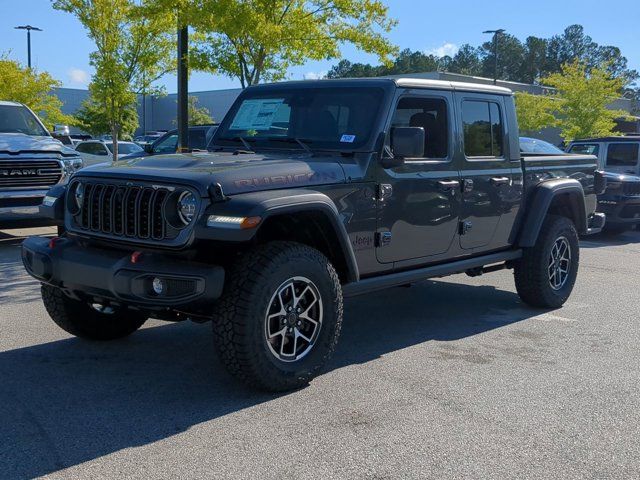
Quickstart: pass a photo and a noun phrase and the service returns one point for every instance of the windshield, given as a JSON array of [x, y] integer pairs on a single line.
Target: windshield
[[585, 148], [125, 148], [18, 119], [533, 145], [322, 118]]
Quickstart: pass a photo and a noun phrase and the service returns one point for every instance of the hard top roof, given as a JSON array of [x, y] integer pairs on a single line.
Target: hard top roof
[[398, 82], [611, 138]]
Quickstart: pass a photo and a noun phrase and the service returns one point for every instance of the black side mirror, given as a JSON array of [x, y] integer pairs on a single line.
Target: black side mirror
[[148, 147], [407, 142]]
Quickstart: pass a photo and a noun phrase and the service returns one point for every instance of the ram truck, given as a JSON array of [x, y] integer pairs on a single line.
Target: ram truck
[[314, 192], [31, 162]]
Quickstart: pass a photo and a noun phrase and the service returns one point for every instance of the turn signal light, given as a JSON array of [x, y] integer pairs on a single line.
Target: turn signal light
[[233, 222]]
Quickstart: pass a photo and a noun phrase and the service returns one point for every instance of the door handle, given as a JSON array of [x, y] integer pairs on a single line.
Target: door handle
[[497, 181], [446, 185]]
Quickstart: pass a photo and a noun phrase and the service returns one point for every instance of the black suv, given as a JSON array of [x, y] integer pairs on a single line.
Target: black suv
[[199, 139], [315, 191], [619, 157]]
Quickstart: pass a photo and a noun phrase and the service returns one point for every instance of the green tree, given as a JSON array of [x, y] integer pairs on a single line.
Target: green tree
[[34, 89], [197, 115], [534, 60], [132, 51], [582, 100], [535, 112], [92, 118], [466, 61], [258, 40], [511, 54]]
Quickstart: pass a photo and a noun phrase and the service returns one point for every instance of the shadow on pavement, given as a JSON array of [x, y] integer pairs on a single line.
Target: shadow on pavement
[[71, 401], [605, 239]]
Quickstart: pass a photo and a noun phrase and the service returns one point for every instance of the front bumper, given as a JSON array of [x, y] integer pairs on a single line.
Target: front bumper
[[102, 275], [21, 205], [620, 210]]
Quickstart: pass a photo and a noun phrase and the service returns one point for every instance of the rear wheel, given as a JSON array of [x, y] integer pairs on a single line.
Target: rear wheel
[[546, 273], [87, 321], [279, 319]]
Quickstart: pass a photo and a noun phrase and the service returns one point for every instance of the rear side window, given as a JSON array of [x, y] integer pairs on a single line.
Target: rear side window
[[585, 148], [622, 154], [483, 129]]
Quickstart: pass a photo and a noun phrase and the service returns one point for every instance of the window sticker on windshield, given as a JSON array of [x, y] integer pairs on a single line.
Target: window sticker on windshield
[[348, 139], [256, 114]]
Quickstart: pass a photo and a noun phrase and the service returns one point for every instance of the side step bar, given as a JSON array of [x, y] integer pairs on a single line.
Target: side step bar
[[372, 284]]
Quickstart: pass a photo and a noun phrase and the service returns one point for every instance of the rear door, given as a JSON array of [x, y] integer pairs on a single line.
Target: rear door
[[419, 205], [486, 171], [623, 157]]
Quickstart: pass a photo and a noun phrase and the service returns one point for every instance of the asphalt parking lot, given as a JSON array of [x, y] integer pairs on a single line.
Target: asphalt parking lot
[[453, 378]]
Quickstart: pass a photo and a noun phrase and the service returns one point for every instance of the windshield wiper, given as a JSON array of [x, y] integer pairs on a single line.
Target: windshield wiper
[[300, 141], [246, 144]]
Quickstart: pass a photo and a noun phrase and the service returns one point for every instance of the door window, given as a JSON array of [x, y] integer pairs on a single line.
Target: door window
[[430, 114], [622, 155], [167, 145], [483, 130]]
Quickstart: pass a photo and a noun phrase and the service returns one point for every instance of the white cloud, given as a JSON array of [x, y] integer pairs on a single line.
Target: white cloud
[[78, 76], [315, 75], [446, 48]]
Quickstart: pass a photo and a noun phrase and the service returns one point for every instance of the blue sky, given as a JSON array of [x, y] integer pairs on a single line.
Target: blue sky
[[63, 47]]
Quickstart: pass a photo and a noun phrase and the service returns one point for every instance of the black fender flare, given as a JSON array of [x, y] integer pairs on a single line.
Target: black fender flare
[[271, 203], [539, 202]]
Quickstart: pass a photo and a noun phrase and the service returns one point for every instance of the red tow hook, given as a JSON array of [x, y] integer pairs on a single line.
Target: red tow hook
[[135, 257], [53, 242]]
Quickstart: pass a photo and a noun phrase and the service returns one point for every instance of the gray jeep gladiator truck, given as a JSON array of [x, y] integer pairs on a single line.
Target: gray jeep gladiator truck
[[31, 162], [314, 191]]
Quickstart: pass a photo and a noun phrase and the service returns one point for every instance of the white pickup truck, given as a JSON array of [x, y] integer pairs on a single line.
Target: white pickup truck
[[31, 162]]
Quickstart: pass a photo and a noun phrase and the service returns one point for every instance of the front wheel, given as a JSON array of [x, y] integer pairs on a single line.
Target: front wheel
[[279, 319], [88, 321], [546, 273]]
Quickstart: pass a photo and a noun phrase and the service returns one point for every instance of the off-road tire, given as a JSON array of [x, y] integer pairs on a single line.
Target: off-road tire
[[82, 320], [239, 315], [531, 272]]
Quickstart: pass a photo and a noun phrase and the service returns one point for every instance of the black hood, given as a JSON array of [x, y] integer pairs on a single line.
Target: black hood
[[235, 173]]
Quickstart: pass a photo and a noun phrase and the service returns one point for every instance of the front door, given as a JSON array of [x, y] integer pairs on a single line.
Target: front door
[[418, 204], [486, 172]]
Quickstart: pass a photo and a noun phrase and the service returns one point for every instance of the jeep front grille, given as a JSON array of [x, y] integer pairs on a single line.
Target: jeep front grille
[[631, 189], [30, 173], [129, 212]]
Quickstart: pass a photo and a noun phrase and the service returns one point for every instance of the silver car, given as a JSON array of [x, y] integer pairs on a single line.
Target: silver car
[[100, 151]]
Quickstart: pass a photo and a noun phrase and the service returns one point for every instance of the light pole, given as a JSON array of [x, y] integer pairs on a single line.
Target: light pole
[[28, 28], [495, 33]]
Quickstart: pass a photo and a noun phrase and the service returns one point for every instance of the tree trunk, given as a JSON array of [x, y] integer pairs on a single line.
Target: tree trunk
[[114, 139]]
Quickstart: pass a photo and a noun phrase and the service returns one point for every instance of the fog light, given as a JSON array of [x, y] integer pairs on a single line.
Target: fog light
[[158, 286]]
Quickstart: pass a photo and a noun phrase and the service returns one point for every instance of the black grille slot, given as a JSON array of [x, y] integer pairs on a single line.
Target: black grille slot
[[631, 188], [32, 173], [144, 207], [132, 211]]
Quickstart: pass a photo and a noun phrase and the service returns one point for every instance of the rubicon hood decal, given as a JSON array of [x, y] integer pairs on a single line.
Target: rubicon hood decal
[[235, 173]]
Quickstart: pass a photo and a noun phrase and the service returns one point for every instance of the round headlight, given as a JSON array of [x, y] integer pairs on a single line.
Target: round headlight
[[187, 205], [78, 194]]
